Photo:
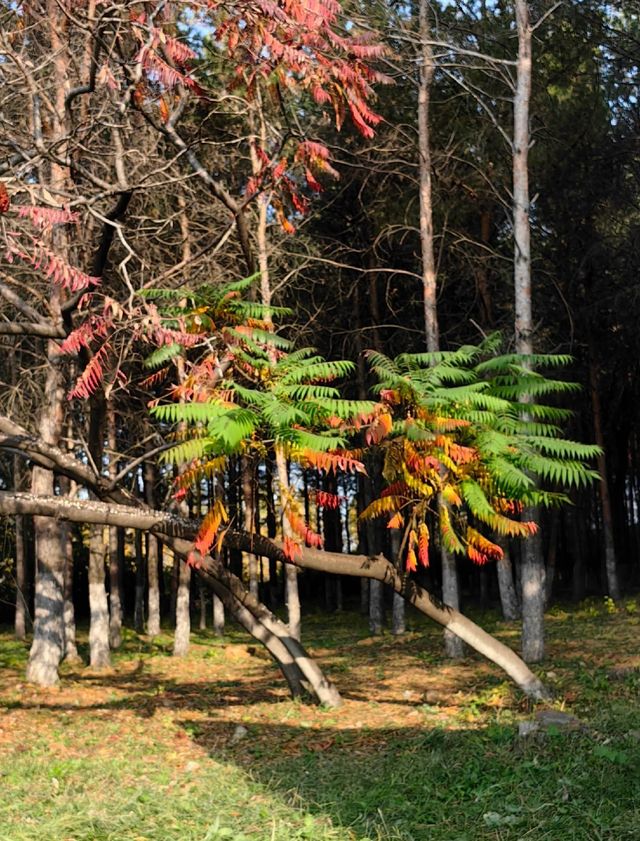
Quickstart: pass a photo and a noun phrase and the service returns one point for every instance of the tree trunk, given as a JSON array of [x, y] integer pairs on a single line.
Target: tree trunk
[[202, 595], [68, 612], [450, 588], [153, 605], [115, 569], [506, 585], [361, 566], [218, 616], [138, 606], [48, 632], [552, 557], [183, 615], [100, 655], [532, 564], [610, 560], [22, 610], [115, 590], [398, 615], [47, 648], [248, 498]]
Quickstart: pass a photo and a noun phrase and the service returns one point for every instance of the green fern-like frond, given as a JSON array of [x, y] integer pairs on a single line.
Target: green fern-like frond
[[163, 355]]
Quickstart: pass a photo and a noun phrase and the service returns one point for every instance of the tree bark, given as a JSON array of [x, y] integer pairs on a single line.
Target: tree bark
[[450, 588], [532, 564], [248, 498], [183, 614], [398, 615], [218, 616], [374, 568], [115, 572], [610, 560], [22, 603], [153, 555], [68, 612], [508, 596], [100, 655], [138, 605]]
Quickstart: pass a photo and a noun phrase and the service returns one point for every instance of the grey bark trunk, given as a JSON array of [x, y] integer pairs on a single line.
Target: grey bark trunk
[[398, 614], [202, 594], [248, 501], [138, 606], [533, 595], [218, 616], [68, 612], [610, 560], [364, 597], [20, 624], [47, 648], [100, 655], [376, 608], [183, 616], [508, 596], [532, 566], [115, 573], [115, 599], [453, 646], [153, 556], [22, 610]]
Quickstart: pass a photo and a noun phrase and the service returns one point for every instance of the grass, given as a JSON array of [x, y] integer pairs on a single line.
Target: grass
[[422, 750]]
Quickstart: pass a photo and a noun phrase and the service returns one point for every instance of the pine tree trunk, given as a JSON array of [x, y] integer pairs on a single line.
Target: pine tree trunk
[[248, 498], [532, 564], [68, 612], [138, 606], [202, 593], [47, 648], [218, 616], [115, 569], [183, 616], [398, 615], [610, 560], [450, 589], [100, 655], [115, 598], [508, 596], [153, 605]]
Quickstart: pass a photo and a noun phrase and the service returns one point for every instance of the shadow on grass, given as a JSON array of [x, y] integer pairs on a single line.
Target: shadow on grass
[[432, 785]]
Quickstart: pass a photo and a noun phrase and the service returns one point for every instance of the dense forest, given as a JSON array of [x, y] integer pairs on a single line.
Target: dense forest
[[308, 305]]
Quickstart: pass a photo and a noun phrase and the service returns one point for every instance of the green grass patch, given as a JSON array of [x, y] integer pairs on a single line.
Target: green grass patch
[[423, 749]]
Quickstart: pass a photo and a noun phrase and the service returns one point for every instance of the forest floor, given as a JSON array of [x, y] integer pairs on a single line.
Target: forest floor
[[209, 747]]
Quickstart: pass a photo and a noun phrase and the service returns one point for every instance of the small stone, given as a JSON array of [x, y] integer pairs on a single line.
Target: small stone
[[190, 767], [555, 718], [528, 728], [238, 734]]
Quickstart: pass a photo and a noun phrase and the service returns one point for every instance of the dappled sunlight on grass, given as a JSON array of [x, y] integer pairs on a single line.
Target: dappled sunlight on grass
[[210, 746]]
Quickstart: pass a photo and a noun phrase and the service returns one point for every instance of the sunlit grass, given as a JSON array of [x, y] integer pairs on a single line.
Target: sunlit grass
[[422, 750]]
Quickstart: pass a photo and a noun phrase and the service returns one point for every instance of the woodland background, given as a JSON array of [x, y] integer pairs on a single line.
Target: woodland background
[[177, 162]]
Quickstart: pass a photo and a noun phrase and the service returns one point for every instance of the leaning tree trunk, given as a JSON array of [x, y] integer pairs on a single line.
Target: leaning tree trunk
[[532, 560], [450, 588], [166, 524]]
